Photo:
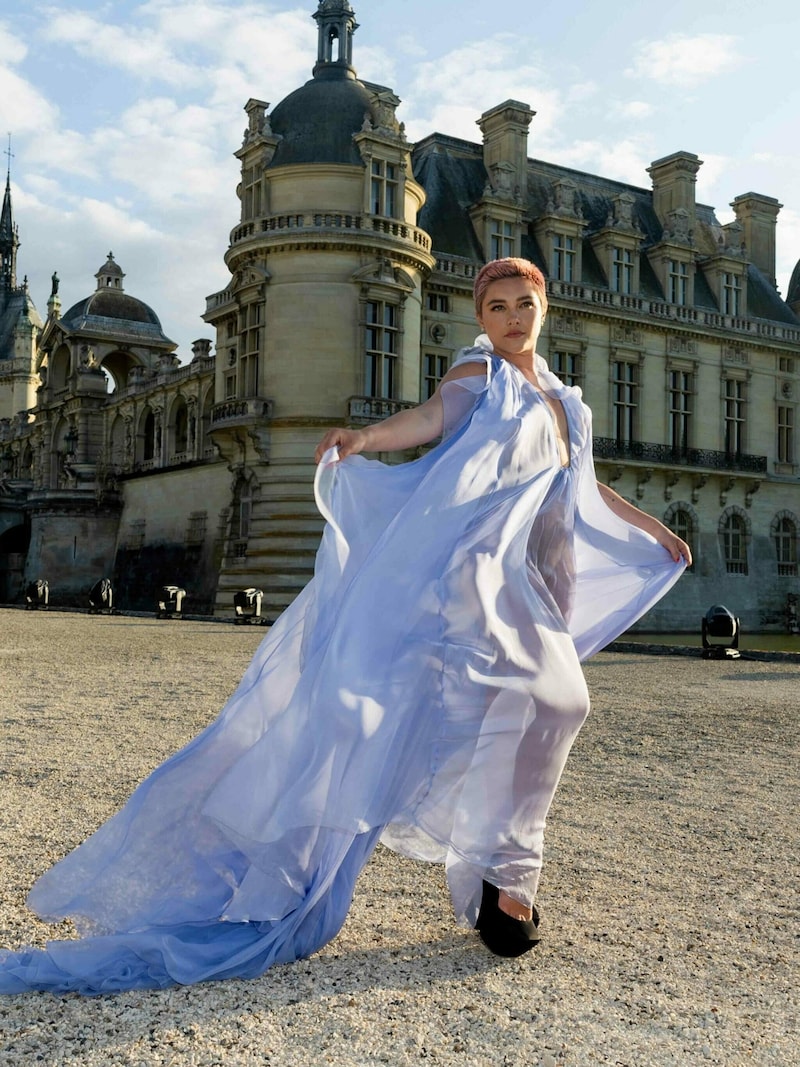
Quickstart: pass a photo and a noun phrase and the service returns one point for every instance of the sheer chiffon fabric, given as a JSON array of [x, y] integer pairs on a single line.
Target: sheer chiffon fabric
[[425, 688]]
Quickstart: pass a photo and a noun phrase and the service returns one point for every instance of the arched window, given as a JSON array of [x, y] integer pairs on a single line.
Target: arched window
[[179, 430], [118, 442], [206, 445], [149, 436], [241, 513], [682, 520], [784, 535], [734, 536]]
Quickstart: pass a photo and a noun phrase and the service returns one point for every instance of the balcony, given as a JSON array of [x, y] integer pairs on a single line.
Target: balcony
[[245, 412], [669, 456], [365, 409]]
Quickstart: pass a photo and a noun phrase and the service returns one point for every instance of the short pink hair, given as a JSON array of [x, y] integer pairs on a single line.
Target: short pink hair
[[509, 268]]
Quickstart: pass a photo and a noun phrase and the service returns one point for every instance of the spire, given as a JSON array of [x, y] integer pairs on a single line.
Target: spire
[[9, 235], [337, 24]]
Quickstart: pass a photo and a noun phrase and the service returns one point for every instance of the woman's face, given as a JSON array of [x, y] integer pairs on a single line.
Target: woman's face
[[511, 316]]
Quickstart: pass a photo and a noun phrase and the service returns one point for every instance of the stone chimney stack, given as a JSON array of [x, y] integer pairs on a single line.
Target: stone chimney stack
[[674, 178], [505, 145], [758, 216]]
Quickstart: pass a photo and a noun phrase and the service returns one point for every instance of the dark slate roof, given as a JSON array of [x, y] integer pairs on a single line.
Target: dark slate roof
[[317, 121], [15, 304], [763, 301], [793, 294], [109, 312], [452, 184], [453, 175]]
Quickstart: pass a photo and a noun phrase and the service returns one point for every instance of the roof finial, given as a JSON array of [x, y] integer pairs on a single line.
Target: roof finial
[[10, 154]]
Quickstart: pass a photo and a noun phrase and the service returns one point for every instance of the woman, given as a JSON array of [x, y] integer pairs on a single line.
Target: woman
[[425, 689]]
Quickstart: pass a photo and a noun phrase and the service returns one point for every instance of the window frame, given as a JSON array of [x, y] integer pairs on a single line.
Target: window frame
[[380, 360], [625, 399]]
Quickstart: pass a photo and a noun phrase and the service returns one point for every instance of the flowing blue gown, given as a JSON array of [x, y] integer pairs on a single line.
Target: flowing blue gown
[[424, 689]]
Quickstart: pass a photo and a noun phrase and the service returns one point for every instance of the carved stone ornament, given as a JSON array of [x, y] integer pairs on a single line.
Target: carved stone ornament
[[626, 336], [736, 355], [566, 324], [680, 346]]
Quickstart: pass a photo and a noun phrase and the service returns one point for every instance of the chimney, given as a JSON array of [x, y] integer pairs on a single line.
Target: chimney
[[505, 144], [674, 178], [758, 216]]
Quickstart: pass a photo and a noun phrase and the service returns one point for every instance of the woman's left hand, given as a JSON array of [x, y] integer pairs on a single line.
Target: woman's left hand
[[676, 547]]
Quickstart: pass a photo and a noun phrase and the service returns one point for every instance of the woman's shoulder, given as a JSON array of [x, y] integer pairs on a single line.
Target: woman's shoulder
[[469, 367]]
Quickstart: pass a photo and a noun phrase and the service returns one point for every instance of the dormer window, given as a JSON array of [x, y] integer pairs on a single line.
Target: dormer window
[[622, 270], [501, 238], [731, 296], [384, 188], [565, 258], [678, 282]]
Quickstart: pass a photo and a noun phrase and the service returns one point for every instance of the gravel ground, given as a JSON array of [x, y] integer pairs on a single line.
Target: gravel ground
[[669, 897]]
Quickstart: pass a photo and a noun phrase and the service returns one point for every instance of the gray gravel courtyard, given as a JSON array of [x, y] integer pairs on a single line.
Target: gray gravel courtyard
[[669, 896]]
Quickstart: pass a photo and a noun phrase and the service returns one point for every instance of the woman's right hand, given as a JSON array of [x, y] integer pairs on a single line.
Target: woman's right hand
[[349, 442]]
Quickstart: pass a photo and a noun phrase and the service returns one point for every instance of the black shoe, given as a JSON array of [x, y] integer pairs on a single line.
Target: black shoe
[[500, 933]]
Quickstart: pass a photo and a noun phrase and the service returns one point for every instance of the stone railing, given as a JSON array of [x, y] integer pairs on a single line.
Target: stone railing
[[315, 222], [374, 408], [701, 318], [248, 409], [666, 455]]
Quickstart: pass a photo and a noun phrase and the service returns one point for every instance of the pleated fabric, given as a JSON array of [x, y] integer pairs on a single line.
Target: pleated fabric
[[424, 689]]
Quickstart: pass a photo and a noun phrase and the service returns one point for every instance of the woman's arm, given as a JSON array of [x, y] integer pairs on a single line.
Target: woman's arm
[[677, 548], [406, 429]]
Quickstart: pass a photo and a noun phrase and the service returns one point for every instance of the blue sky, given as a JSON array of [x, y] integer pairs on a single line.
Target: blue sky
[[125, 114]]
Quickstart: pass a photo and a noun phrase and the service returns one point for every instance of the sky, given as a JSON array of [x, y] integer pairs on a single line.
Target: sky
[[124, 115]]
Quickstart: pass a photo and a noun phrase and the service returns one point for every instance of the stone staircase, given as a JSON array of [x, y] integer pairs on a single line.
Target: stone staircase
[[285, 529]]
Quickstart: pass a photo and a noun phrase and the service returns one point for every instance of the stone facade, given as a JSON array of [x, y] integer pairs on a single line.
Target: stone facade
[[351, 268]]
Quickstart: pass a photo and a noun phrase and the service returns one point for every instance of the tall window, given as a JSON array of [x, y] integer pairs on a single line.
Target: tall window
[[731, 294], [380, 370], [625, 398], [251, 348], [622, 270], [251, 192], [567, 366], [501, 238], [149, 434], [181, 428], [241, 514], [785, 534], [437, 302], [734, 543], [434, 368], [564, 258], [678, 282], [682, 524], [734, 415], [785, 435], [383, 188], [680, 408]]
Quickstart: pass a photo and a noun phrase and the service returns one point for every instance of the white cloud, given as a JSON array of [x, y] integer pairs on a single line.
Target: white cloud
[[624, 161], [144, 53], [450, 93], [12, 48], [788, 247], [582, 91], [634, 109], [715, 168], [686, 61], [23, 109]]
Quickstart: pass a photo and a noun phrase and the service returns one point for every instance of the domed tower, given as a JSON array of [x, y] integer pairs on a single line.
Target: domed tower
[[793, 294], [320, 324], [100, 340]]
